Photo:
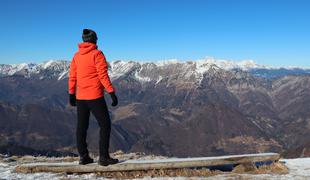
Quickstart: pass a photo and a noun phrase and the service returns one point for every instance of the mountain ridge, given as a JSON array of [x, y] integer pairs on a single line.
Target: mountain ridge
[[60, 68]]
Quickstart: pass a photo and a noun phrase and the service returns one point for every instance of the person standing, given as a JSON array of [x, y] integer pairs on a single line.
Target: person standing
[[88, 78]]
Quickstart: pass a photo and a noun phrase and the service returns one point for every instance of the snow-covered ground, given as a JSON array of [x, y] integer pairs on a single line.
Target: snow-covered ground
[[298, 169]]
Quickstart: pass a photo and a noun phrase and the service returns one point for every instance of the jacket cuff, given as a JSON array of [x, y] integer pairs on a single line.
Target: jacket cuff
[[71, 92], [110, 90]]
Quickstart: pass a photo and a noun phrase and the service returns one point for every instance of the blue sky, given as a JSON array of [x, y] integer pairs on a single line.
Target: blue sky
[[271, 32]]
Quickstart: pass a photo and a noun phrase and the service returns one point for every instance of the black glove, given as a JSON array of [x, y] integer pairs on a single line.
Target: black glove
[[72, 99], [114, 99]]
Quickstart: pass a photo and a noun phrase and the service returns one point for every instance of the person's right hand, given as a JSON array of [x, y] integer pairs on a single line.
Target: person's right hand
[[114, 99], [72, 99]]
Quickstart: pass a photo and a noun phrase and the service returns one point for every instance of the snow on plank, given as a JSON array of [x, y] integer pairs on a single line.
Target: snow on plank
[[134, 165]]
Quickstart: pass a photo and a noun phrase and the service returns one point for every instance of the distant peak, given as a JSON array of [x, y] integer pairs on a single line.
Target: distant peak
[[48, 63]]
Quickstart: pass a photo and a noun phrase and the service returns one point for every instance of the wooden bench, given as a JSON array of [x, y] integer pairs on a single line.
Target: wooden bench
[[135, 165]]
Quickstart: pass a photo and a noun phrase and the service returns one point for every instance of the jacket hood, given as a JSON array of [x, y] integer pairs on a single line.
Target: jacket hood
[[86, 47]]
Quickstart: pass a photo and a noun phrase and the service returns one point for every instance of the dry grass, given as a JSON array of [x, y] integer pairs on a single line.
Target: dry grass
[[274, 168], [159, 173]]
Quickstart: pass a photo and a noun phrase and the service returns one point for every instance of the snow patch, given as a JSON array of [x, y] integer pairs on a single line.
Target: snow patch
[[299, 167], [141, 78], [159, 79], [119, 68], [47, 64], [63, 75]]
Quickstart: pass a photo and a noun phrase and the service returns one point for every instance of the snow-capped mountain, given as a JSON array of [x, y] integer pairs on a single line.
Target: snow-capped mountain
[[220, 107], [48, 69], [150, 71]]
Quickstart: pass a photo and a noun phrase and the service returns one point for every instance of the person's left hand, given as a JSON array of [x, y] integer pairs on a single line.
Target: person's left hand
[[114, 99], [72, 99]]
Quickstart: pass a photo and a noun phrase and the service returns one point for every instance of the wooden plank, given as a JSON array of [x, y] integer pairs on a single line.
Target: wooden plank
[[132, 165]]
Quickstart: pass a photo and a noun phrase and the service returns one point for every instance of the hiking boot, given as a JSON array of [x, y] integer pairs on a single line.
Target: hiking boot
[[107, 161], [85, 160]]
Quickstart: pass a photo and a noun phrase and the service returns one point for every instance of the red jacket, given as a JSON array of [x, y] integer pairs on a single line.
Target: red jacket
[[88, 75]]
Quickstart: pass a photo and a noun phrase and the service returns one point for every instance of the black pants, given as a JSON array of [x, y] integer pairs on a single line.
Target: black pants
[[99, 109]]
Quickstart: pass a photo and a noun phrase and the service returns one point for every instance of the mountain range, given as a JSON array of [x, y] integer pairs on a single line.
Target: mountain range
[[175, 108], [59, 68]]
